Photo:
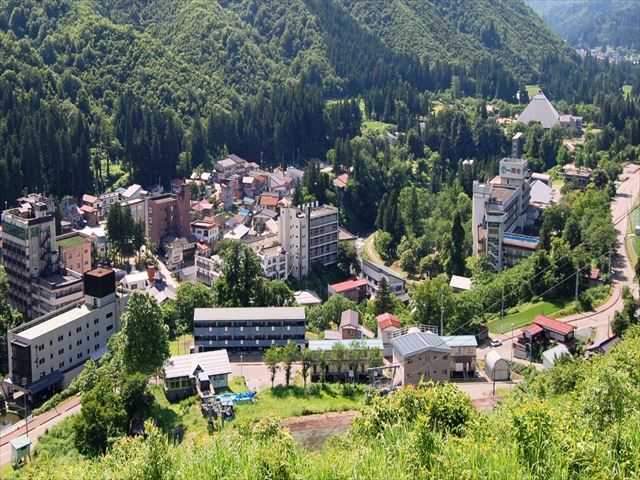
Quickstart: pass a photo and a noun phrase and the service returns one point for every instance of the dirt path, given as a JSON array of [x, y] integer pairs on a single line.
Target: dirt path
[[313, 430]]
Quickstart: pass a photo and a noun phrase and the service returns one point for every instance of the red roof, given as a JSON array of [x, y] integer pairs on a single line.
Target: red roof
[[341, 181], [268, 200], [87, 209], [532, 329], [387, 320], [553, 325], [348, 285]]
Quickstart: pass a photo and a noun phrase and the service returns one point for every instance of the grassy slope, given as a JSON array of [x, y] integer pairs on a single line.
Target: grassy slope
[[525, 315]]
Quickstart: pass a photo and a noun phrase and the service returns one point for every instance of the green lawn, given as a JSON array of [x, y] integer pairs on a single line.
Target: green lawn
[[180, 345], [295, 401], [626, 90], [533, 90], [377, 126], [281, 401], [525, 314], [73, 241]]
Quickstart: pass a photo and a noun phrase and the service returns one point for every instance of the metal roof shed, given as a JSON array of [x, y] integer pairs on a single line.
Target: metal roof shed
[[20, 449], [496, 367]]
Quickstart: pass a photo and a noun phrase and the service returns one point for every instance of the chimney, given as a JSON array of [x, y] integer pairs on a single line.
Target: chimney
[[151, 272]]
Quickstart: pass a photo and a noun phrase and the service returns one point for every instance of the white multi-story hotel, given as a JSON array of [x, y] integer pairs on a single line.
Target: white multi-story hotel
[[499, 213], [309, 234], [45, 354]]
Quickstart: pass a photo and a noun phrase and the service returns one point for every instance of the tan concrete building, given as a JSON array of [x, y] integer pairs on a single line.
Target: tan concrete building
[[75, 251], [421, 356]]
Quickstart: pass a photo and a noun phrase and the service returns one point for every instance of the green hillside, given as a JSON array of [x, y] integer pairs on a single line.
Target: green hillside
[[593, 23], [458, 30], [579, 420], [149, 89]]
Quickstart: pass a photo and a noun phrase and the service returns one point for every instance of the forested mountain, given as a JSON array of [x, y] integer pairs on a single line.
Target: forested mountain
[[593, 23], [155, 88]]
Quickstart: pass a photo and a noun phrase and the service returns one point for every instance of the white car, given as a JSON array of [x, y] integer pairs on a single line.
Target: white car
[[496, 343]]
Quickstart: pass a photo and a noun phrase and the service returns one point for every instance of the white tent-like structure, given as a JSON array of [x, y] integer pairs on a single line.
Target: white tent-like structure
[[496, 367], [540, 110]]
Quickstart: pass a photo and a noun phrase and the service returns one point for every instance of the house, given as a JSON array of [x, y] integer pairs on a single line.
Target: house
[[580, 176], [460, 284], [349, 324], [249, 186], [136, 281], [134, 192], [237, 233], [369, 355], [89, 214], [307, 298], [180, 251], [340, 182], [274, 262], [269, 200], [603, 347], [374, 273], [388, 327], [550, 356], [250, 329], [347, 237], [206, 230], [421, 356], [225, 168], [571, 123], [355, 289], [541, 193], [463, 355], [184, 375], [496, 367], [208, 270], [99, 238], [539, 334]]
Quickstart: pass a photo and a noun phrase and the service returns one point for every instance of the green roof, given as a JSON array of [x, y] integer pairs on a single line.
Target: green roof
[[70, 242], [20, 442]]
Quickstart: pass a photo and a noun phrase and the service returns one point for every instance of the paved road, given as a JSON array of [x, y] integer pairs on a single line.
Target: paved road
[[37, 426], [623, 273], [168, 277]]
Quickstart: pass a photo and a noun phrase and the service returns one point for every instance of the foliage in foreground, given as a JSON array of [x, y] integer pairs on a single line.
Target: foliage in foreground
[[578, 420]]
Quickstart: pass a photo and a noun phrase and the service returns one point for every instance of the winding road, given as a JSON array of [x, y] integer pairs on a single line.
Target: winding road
[[623, 272]]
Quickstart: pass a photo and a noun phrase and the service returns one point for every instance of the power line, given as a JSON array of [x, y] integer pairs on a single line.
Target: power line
[[616, 222]]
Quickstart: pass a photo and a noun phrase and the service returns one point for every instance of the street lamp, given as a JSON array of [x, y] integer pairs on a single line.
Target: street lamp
[[24, 394], [241, 374]]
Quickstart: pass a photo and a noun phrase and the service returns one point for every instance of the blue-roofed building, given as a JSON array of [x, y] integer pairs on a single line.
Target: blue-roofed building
[[421, 356], [463, 355]]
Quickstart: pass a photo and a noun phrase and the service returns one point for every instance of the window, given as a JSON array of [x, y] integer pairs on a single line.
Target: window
[[79, 342], [78, 330], [110, 327], [87, 324], [242, 329], [110, 314], [61, 351], [95, 334], [96, 347], [51, 357], [95, 322]]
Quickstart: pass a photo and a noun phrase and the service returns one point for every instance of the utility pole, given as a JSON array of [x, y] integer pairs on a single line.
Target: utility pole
[[502, 308], [441, 311], [577, 283], [24, 394]]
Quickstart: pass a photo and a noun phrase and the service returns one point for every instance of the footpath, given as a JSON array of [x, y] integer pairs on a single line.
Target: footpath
[[48, 417]]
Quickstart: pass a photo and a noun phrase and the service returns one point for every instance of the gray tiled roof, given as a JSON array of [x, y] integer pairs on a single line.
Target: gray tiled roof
[[414, 343], [215, 362], [349, 318], [249, 313]]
